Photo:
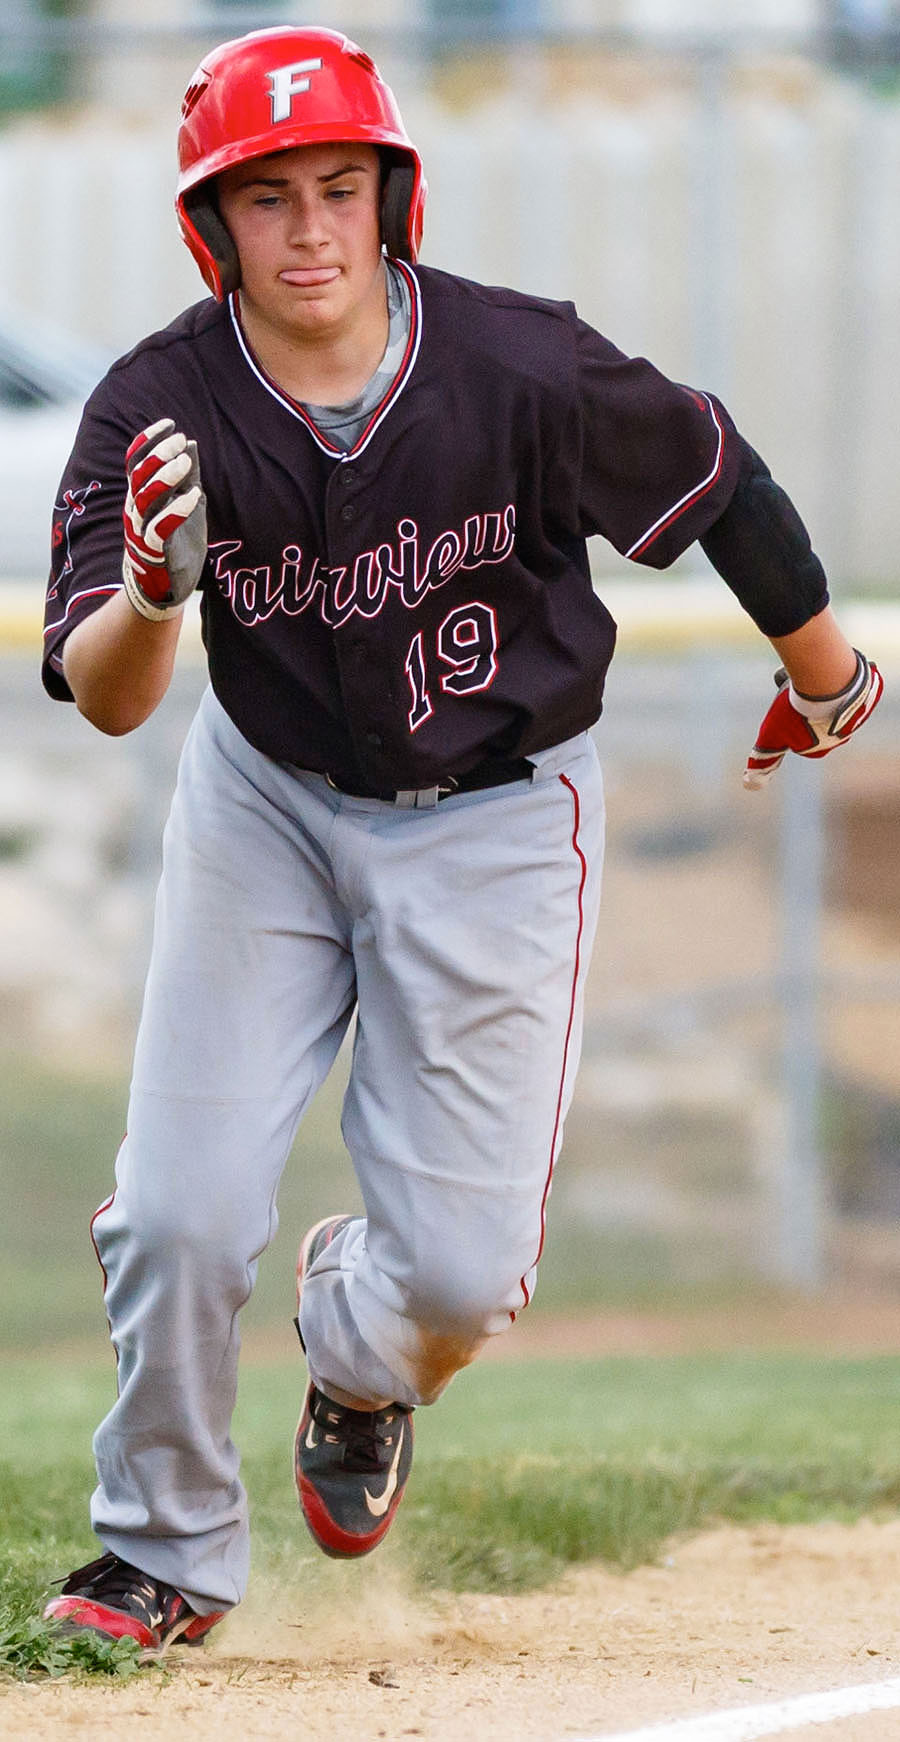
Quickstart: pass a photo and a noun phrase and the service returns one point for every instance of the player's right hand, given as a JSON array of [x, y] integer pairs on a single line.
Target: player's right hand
[[811, 725], [164, 521]]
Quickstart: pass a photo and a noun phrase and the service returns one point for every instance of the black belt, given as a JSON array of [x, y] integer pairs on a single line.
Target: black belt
[[497, 771]]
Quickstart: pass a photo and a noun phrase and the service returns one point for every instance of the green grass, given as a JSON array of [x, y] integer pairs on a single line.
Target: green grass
[[521, 1470]]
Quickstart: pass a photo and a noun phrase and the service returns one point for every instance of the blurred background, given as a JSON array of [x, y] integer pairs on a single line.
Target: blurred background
[[716, 184]]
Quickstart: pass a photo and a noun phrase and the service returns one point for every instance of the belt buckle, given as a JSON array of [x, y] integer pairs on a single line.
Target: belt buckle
[[414, 798], [425, 797]]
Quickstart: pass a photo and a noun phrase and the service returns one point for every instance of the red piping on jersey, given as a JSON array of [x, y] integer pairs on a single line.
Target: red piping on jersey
[[672, 514], [394, 387], [576, 847], [89, 593]]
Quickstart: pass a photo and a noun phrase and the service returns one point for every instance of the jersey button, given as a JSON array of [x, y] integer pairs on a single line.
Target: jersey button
[[348, 512], [348, 476], [374, 740]]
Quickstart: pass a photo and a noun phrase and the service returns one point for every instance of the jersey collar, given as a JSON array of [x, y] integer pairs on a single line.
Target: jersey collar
[[380, 411]]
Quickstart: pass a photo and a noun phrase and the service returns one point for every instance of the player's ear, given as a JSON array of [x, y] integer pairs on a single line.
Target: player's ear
[[202, 207]]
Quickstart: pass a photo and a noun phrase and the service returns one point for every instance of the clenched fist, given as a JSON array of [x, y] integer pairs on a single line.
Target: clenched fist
[[164, 521], [811, 725]]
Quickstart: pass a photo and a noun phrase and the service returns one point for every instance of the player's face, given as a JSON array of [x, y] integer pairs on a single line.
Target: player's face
[[307, 227]]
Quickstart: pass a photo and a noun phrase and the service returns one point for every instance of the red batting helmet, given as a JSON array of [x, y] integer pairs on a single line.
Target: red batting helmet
[[272, 90]]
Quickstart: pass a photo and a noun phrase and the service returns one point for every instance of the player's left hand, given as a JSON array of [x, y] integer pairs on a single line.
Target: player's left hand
[[811, 725]]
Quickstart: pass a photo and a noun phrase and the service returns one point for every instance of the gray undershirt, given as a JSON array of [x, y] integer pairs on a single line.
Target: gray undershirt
[[344, 424]]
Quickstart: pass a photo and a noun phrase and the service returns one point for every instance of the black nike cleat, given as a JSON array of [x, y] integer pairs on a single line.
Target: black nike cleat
[[116, 1600], [351, 1468], [350, 1465]]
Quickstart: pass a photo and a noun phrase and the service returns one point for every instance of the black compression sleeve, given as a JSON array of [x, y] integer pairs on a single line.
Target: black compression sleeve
[[761, 548]]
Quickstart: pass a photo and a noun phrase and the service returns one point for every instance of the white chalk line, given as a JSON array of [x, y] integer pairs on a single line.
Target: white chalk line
[[747, 1722]]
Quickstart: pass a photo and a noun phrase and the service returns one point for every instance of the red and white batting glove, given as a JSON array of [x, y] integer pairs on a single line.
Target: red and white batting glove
[[164, 520], [811, 725]]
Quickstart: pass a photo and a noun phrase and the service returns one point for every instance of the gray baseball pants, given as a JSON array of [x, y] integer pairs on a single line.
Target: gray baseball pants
[[460, 934]]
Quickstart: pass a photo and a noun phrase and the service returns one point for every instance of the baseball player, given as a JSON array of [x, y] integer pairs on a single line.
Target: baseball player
[[382, 478]]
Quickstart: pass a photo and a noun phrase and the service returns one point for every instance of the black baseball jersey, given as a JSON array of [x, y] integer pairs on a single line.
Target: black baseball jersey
[[394, 613]]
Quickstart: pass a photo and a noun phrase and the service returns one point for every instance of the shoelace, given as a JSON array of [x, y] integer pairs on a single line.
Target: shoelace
[[365, 1437], [113, 1579]]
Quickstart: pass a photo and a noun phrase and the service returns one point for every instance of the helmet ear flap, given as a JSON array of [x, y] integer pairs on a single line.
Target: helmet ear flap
[[396, 202], [201, 208]]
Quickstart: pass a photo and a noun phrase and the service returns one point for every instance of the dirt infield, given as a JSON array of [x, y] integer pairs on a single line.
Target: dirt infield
[[731, 1618]]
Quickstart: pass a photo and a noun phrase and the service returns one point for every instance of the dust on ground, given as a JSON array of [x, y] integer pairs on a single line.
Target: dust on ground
[[730, 1618], [733, 1617]]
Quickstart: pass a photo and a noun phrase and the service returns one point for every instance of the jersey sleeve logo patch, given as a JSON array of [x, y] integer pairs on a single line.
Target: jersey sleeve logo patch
[[70, 510]]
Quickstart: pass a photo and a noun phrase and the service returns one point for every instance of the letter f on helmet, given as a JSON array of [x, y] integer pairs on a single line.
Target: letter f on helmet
[[285, 83]]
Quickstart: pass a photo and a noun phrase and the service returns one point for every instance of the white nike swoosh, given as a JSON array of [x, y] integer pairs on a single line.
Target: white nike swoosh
[[378, 1504], [312, 1438]]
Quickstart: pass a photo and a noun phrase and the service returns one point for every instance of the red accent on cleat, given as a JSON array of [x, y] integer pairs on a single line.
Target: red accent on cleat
[[113, 1623], [340, 1544], [114, 1599]]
